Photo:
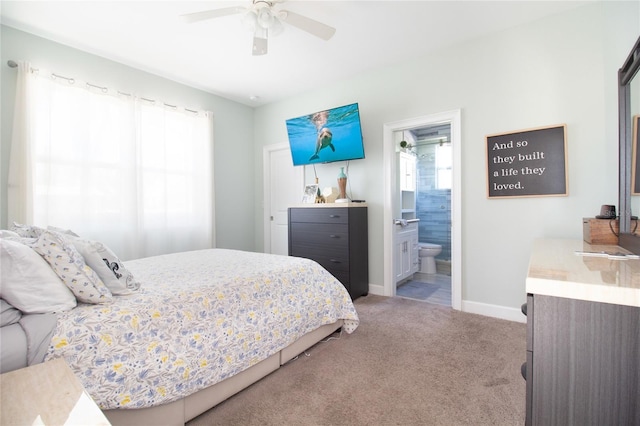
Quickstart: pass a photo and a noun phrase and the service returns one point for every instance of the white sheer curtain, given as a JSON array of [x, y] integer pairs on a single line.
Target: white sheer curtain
[[20, 182], [134, 174]]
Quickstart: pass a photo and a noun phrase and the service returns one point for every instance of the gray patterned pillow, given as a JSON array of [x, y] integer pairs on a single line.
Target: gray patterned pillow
[[109, 268], [26, 231], [70, 266]]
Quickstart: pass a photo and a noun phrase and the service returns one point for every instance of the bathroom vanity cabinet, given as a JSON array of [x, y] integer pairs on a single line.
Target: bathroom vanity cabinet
[[406, 250], [335, 236], [583, 336]]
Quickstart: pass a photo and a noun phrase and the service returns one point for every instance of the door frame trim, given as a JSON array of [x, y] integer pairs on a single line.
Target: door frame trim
[[391, 197]]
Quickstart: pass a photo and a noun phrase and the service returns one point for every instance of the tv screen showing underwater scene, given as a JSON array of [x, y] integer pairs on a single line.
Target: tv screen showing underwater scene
[[326, 136]]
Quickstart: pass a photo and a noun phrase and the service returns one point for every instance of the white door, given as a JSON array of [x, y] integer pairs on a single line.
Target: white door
[[283, 189]]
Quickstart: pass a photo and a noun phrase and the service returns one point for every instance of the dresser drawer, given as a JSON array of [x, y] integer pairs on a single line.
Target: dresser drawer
[[319, 215], [338, 261], [329, 237], [342, 276]]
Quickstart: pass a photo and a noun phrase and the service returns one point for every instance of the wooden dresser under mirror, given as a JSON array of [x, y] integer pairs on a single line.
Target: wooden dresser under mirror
[[583, 313]]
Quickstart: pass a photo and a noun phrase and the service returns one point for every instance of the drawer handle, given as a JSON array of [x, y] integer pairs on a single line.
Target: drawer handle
[[334, 261], [334, 236], [334, 216]]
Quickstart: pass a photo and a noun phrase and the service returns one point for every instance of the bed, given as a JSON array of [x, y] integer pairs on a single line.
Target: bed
[[173, 335]]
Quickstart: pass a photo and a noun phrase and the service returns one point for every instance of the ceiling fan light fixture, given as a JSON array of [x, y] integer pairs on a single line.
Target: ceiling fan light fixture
[[262, 19], [277, 27], [265, 17], [250, 20]]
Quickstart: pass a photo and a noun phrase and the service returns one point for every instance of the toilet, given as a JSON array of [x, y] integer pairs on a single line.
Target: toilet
[[428, 253]]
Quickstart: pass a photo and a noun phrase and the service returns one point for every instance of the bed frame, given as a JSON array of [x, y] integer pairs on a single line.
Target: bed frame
[[181, 411]]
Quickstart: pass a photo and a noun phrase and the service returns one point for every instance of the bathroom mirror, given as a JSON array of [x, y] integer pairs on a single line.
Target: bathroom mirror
[[628, 107]]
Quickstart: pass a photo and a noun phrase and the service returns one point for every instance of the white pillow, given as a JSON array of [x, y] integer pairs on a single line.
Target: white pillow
[[28, 283], [4, 233], [8, 314], [107, 265], [71, 268]]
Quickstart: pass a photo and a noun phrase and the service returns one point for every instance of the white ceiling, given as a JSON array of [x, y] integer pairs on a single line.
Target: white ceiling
[[215, 55]]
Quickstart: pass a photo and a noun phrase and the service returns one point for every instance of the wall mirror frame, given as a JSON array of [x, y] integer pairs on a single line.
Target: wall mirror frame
[[627, 239]]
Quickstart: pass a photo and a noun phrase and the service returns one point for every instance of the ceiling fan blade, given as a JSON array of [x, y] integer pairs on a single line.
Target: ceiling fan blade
[[210, 14], [309, 25]]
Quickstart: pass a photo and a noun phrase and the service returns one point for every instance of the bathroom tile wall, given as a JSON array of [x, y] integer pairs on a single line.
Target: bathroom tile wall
[[433, 205]]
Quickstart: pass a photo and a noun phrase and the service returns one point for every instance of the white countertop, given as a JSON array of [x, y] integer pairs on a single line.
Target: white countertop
[[555, 270]]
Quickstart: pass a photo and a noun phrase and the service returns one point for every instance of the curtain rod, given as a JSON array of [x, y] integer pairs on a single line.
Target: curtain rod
[[13, 64]]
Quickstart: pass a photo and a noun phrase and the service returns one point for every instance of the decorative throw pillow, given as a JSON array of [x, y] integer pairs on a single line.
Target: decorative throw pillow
[[28, 283], [107, 265], [62, 231], [71, 268], [32, 231], [27, 231]]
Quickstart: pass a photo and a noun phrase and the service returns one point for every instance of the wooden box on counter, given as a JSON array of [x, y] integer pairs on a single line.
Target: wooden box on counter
[[600, 231]]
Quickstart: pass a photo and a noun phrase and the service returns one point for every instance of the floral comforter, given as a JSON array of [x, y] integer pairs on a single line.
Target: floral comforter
[[199, 317]]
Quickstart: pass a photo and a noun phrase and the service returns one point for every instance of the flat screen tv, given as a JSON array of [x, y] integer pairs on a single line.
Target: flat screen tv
[[326, 136]]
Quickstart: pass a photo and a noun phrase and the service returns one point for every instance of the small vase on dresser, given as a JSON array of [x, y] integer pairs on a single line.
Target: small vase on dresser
[[342, 184]]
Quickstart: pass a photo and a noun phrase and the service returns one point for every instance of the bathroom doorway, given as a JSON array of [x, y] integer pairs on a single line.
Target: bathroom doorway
[[429, 151], [392, 137]]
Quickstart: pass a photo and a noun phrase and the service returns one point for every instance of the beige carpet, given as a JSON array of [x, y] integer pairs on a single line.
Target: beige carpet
[[408, 363]]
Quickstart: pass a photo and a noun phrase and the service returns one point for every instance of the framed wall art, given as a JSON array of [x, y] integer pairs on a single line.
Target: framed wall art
[[527, 163]]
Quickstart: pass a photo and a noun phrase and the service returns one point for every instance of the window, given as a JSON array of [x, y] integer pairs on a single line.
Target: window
[[132, 173], [444, 166]]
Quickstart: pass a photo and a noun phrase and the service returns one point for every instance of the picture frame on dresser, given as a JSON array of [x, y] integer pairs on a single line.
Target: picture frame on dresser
[[310, 193]]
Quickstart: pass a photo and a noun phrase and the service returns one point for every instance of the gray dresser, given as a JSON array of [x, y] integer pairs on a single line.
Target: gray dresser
[[336, 238], [583, 336]]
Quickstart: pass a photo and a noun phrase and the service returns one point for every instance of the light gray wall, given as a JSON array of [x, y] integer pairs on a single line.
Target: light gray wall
[[233, 124], [561, 69]]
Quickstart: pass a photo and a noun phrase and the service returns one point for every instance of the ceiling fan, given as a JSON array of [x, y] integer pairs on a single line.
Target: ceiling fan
[[262, 18]]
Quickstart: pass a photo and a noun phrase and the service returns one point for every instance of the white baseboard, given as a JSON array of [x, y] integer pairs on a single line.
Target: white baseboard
[[378, 290], [496, 311]]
